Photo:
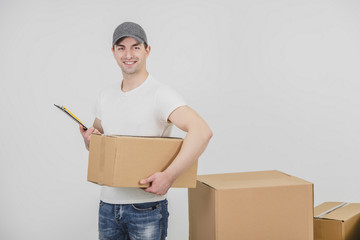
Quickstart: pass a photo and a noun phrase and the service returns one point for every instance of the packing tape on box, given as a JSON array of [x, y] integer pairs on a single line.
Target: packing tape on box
[[332, 209]]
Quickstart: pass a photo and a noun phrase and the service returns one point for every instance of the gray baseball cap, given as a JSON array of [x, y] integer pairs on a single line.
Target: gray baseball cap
[[129, 29]]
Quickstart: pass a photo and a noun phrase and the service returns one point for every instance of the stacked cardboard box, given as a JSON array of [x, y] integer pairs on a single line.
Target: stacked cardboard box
[[337, 221], [263, 205]]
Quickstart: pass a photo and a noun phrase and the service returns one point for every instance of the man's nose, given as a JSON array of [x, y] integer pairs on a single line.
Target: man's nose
[[128, 54]]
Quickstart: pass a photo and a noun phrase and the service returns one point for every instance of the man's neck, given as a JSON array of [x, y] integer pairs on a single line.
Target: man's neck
[[132, 81]]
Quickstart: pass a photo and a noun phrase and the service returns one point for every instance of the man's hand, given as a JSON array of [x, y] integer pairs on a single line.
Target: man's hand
[[86, 134], [160, 183]]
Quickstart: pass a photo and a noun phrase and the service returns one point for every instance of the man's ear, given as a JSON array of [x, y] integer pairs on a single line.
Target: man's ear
[[148, 49]]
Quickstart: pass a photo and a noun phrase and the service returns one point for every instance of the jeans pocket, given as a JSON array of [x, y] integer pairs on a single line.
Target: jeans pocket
[[146, 207]]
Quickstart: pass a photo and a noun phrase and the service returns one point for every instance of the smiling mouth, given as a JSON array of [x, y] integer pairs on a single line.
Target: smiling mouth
[[129, 62]]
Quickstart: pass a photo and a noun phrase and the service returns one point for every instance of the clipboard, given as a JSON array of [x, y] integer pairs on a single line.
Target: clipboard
[[65, 110]]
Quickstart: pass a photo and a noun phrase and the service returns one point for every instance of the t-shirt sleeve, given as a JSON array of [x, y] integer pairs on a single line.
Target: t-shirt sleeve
[[167, 101]]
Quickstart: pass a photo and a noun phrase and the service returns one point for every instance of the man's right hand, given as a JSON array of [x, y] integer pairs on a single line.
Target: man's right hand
[[86, 134]]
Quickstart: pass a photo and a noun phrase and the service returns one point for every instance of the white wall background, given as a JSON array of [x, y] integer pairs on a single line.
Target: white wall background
[[277, 80]]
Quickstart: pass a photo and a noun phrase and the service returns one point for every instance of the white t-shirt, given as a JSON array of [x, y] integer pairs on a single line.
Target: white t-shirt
[[143, 111]]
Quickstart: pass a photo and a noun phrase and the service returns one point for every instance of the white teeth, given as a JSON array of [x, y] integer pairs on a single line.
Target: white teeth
[[129, 62]]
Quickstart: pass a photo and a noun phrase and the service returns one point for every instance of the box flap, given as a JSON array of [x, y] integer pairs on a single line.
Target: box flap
[[334, 211], [326, 208], [250, 180]]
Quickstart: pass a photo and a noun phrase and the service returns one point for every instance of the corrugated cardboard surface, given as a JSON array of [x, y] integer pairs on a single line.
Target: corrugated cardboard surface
[[250, 180], [342, 223], [325, 207], [256, 205], [122, 161], [202, 203], [325, 229]]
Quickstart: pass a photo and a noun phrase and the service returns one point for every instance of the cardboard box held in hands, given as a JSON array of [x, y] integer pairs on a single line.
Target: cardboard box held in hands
[[122, 161]]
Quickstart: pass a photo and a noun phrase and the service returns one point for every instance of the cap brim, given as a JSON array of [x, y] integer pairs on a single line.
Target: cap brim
[[128, 35]]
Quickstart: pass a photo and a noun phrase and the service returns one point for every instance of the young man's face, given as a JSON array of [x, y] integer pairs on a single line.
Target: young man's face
[[131, 55]]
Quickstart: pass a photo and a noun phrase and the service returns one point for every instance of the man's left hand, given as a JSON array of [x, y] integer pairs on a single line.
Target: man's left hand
[[160, 183]]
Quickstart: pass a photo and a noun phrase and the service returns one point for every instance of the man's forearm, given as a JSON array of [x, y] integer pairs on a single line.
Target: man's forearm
[[194, 145], [87, 145], [195, 142]]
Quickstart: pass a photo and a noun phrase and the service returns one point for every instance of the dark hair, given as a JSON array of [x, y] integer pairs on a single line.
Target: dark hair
[[118, 42]]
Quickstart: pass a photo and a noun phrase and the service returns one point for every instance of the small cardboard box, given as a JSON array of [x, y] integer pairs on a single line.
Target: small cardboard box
[[266, 205], [337, 221], [122, 161]]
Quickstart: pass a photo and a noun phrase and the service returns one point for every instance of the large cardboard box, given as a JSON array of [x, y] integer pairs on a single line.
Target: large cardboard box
[[122, 161], [337, 221], [266, 205]]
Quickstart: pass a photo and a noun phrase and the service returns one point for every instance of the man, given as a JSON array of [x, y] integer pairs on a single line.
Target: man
[[142, 106]]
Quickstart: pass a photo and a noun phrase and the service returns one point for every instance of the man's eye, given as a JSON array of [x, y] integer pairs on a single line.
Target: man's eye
[[137, 48]]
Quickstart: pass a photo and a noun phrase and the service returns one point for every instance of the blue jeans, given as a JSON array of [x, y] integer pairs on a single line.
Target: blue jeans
[[144, 221]]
